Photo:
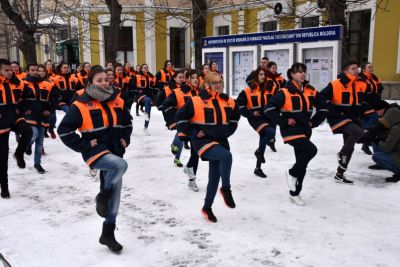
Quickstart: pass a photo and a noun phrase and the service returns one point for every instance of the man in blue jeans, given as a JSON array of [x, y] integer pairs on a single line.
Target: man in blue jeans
[[387, 152]]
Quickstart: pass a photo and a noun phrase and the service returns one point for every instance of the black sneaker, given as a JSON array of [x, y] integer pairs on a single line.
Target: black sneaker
[[375, 167], [46, 134], [20, 161], [259, 156], [186, 145], [366, 149], [340, 178], [259, 172], [272, 146], [28, 150], [209, 215], [394, 179], [4, 191], [227, 196], [39, 168]]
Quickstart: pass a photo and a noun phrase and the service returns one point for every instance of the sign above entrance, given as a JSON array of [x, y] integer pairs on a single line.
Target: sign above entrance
[[327, 33]]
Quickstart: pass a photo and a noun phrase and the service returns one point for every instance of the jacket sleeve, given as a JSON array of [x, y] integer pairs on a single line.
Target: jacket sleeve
[[53, 99], [273, 109], [66, 130], [79, 85], [241, 102], [322, 111], [126, 126], [182, 118], [159, 84], [327, 93], [391, 141], [366, 107], [169, 109], [234, 120], [248, 79], [160, 98]]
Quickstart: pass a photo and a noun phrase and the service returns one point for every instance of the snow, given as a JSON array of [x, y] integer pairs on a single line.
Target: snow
[[51, 219]]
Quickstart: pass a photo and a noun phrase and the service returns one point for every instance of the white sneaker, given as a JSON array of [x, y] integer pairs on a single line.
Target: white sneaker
[[291, 181], [146, 116], [146, 132], [189, 172], [192, 185], [297, 200]]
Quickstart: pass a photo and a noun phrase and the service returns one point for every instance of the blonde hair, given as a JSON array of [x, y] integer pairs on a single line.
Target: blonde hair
[[210, 77]]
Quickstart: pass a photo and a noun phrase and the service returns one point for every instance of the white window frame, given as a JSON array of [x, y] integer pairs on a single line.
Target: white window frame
[[128, 21], [222, 20], [264, 15], [224, 51]]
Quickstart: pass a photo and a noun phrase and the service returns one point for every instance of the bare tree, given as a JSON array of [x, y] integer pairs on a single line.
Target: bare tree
[[115, 10]]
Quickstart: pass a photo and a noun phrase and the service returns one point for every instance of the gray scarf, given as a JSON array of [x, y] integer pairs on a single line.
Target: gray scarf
[[99, 93]]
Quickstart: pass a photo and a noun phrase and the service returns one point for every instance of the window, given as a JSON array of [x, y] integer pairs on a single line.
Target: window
[[177, 46], [310, 22], [359, 27], [269, 26], [125, 43], [223, 30], [62, 34]]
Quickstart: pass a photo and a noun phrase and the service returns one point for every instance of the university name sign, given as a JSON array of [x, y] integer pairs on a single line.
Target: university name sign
[[328, 33]]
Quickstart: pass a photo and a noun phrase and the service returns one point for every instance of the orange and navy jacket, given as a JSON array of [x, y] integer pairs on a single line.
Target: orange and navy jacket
[[347, 101], [21, 75], [295, 103], [105, 121], [11, 93], [374, 91], [82, 77], [163, 78], [129, 72], [38, 96], [66, 85], [277, 79], [163, 93], [252, 100], [144, 85], [213, 113], [176, 100]]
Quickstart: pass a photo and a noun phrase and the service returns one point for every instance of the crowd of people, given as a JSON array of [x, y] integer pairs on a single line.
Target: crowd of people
[[97, 123]]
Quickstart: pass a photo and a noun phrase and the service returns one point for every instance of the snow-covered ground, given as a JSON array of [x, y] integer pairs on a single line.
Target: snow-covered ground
[[51, 219]]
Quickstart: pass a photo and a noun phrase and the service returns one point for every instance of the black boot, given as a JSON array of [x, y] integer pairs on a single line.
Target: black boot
[[20, 161], [259, 172], [271, 144], [259, 156], [4, 191], [187, 145], [102, 203], [366, 149], [394, 179], [227, 196], [39, 168], [107, 238], [28, 150], [209, 215]]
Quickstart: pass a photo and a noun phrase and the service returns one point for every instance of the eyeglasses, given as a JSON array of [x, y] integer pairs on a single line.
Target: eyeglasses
[[216, 83]]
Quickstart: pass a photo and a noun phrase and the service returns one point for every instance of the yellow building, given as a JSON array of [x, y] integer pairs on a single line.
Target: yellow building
[[153, 33]]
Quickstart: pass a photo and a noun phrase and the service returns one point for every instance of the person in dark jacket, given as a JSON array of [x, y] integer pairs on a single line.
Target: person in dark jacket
[[347, 104], [11, 119], [170, 106], [105, 127], [373, 98], [209, 119], [144, 84], [252, 102], [165, 75], [39, 100], [292, 108], [176, 100]]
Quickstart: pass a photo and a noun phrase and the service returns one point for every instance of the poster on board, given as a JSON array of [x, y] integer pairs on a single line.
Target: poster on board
[[243, 66]]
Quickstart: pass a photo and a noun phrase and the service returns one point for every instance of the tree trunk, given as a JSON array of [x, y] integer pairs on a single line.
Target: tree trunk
[[199, 28], [336, 12], [115, 27], [27, 43]]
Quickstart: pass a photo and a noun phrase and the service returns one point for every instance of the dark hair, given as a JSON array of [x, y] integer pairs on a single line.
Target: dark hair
[[265, 58], [166, 63], [107, 70], [270, 64], [141, 66], [178, 72], [96, 69], [15, 62], [347, 64], [84, 63], [211, 63], [189, 73], [31, 65], [58, 68], [4, 61], [254, 77], [364, 65], [296, 67]]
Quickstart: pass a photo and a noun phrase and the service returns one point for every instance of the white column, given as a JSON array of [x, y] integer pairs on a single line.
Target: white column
[[241, 22], [150, 41]]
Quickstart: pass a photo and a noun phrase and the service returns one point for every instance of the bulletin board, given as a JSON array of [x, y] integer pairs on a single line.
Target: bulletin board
[[219, 55], [281, 54]]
